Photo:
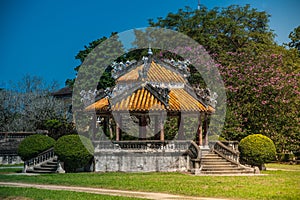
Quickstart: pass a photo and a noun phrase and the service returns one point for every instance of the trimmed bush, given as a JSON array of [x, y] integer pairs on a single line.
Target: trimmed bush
[[257, 149], [32, 145], [75, 151], [285, 157]]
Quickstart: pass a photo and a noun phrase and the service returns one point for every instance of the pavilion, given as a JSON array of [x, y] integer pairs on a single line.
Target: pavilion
[[148, 92], [133, 115]]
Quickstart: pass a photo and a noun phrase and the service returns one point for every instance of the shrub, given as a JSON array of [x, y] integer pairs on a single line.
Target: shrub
[[74, 150], [285, 157], [32, 145], [257, 149]]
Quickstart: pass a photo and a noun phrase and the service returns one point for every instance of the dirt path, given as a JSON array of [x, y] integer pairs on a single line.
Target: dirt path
[[146, 195]]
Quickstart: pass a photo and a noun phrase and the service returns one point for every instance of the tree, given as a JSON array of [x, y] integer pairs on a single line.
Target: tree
[[105, 80], [229, 29], [295, 38], [261, 98], [58, 128], [261, 78], [27, 104]]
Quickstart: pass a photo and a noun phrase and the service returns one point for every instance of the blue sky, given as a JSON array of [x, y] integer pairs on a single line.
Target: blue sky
[[42, 37]]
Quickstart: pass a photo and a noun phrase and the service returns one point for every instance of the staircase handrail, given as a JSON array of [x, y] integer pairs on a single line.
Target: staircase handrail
[[40, 158], [194, 151], [227, 153]]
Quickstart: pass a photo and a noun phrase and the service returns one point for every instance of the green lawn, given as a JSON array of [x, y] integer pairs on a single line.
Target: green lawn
[[10, 170], [31, 193], [283, 166], [274, 185]]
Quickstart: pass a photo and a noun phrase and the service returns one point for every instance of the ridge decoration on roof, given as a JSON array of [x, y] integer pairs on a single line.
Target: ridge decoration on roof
[[166, 71]]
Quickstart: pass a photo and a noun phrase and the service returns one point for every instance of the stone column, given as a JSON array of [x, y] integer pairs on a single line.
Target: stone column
[[162, 131], [200, 131], [105, 125], [110, 119], [94, 124], [206, 130], [156, 127], [181, 135], [143, 127], [118, 130]]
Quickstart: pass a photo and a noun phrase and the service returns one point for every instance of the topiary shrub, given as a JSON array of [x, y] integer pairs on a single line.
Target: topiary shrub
[[32, 145], [75, 151], [256, 150]]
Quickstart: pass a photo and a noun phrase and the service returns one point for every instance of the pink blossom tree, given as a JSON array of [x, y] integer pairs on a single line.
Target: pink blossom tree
[[262, 97]]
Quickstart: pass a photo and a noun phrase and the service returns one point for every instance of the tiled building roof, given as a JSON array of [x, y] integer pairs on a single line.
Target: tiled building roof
[[142, 100], [156, 73], [153, 80]]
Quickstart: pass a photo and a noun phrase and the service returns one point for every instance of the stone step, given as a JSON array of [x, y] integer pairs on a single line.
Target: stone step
[[221, 169], [45, 168], [39, 171], [51, 162], [215, 163], [220, 166], [219, 159], [211, 156], [49, 165], [221, 172]]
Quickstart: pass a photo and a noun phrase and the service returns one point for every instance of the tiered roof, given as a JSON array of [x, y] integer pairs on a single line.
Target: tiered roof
[[156, 86]]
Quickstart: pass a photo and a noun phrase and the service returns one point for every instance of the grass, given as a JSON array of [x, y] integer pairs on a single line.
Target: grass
[[31, 193], [12, 165], [15, 168], [10, 170], [275, 185], [283, 166]]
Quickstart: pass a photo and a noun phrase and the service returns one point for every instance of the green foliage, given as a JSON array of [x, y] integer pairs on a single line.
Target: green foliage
[[58, 128], [262, 97], [171, 128], [295, 38], [232, 28], [32, 145], [257, 149], [285, 157], [74, 150]]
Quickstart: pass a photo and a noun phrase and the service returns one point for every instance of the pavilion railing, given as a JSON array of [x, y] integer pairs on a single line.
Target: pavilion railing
[[143, 145], [227, 152]]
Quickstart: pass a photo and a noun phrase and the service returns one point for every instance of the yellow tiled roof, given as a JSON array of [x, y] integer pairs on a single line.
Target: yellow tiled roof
[[143, 100], [181, 100], [156, 73], [100, 105]]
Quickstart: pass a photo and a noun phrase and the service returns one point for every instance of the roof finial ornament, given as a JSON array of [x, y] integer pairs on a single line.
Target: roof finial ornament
[[150, 53]]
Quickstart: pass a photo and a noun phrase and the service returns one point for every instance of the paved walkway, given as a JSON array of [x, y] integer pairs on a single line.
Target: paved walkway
[[145, 195]]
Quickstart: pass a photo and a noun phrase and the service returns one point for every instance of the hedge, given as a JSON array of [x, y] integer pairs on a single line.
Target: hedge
[[257, 149], [33, 145], [74, 150]]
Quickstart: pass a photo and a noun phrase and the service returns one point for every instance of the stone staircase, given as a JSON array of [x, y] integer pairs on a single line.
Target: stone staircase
[[213, 163], [45, 162], [47, 167]]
